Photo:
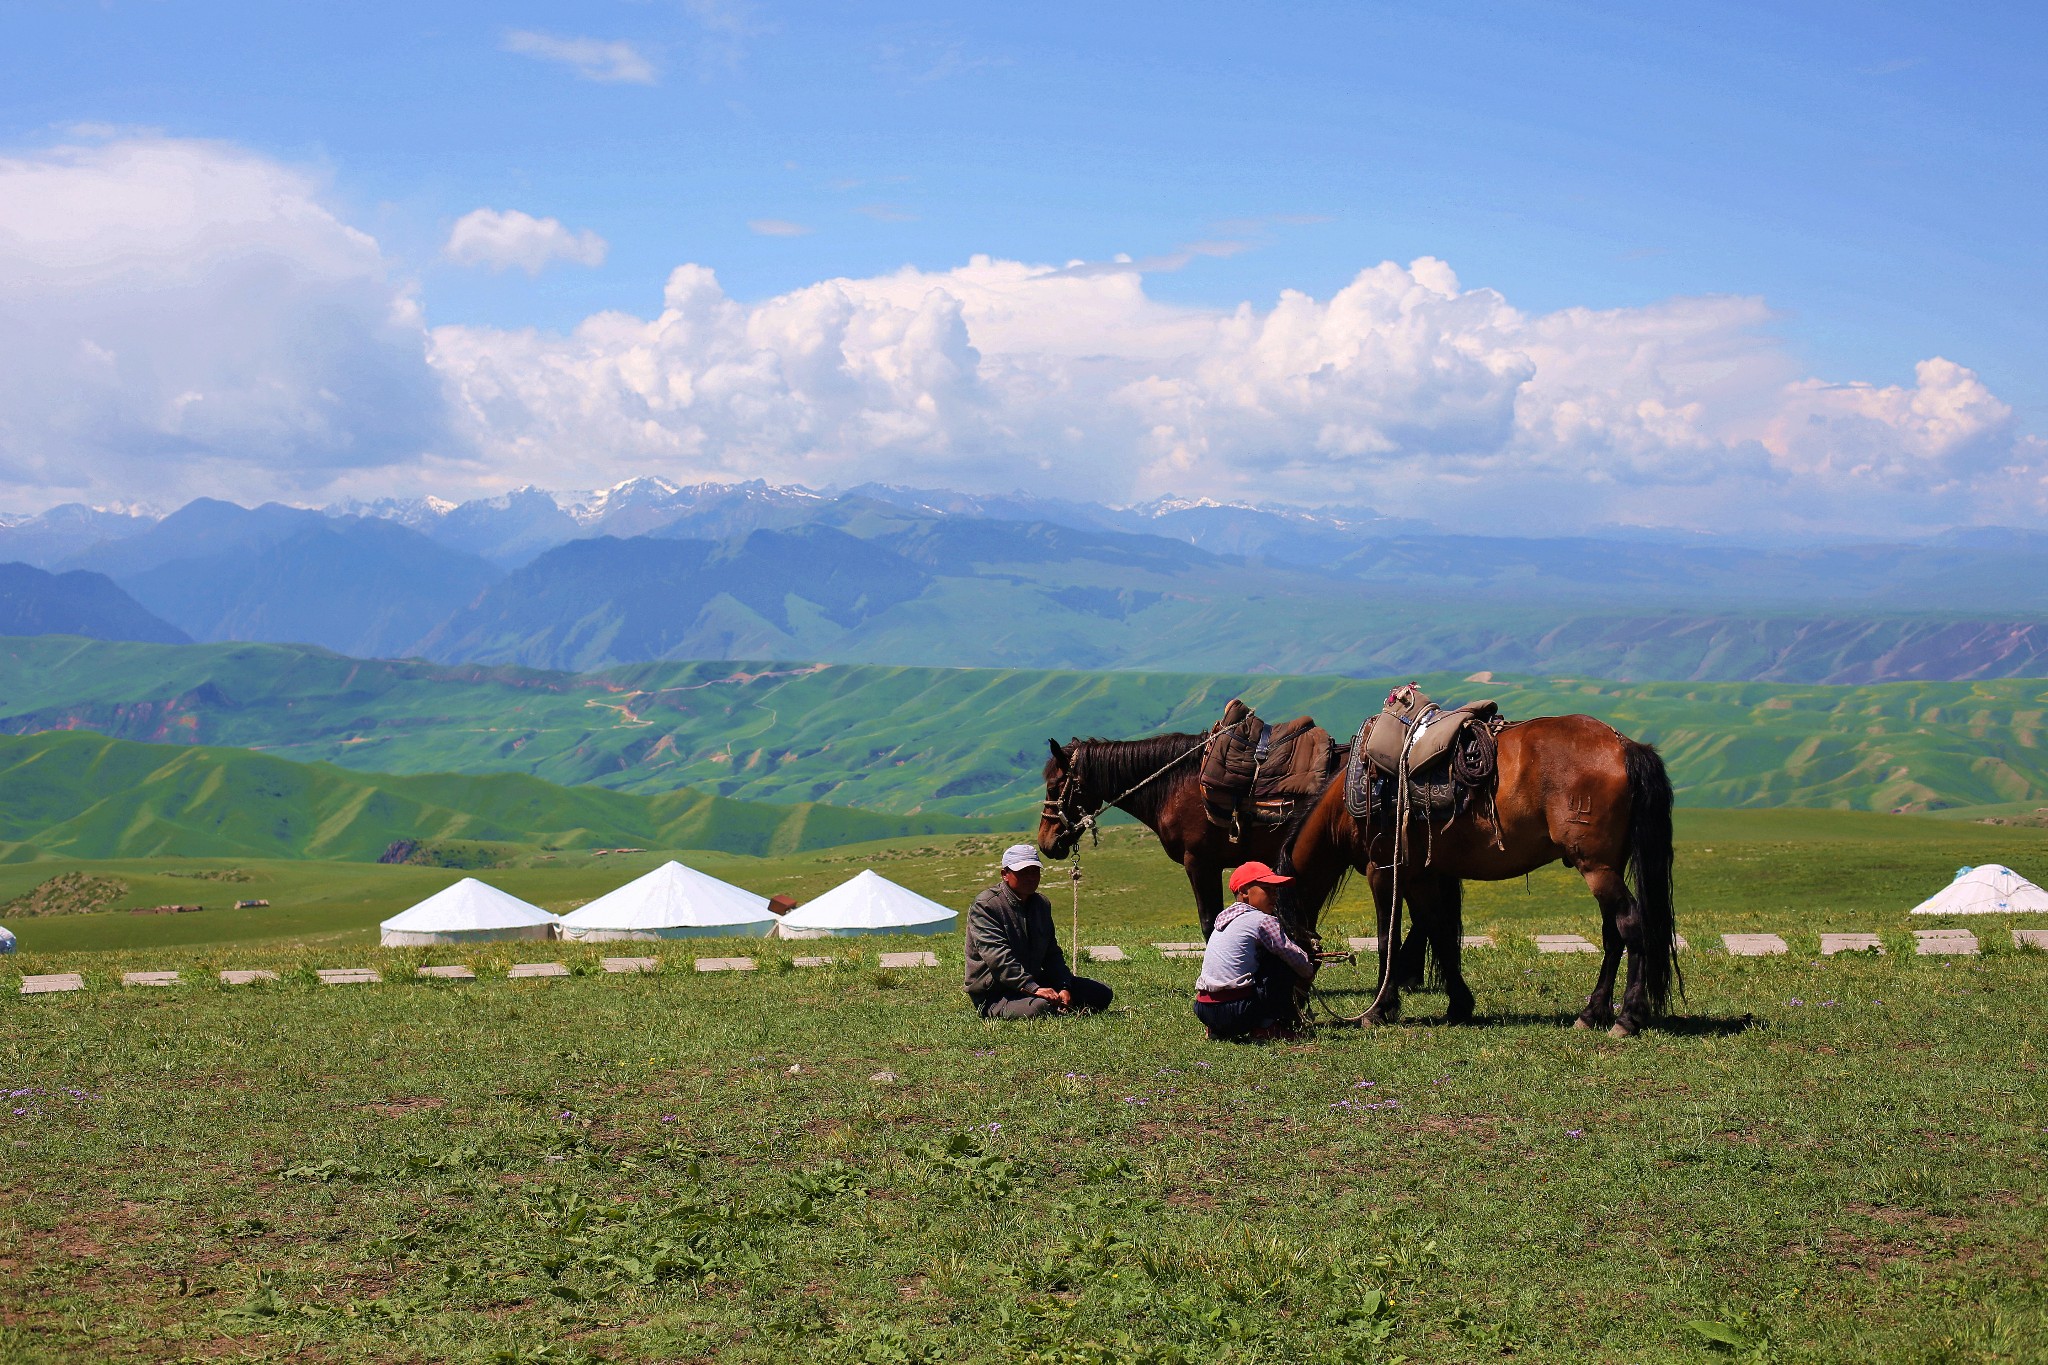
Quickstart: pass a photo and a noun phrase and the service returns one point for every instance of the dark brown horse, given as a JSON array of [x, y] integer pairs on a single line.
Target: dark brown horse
[[1570, 789], [1157, 780]]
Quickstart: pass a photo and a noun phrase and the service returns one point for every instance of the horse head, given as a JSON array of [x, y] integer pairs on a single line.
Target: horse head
[[1065, 813]]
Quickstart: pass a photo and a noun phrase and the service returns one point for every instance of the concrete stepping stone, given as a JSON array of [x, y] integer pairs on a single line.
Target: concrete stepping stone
[[1476, 941], [725, 964], [537, 969], [1105, 952], [2030, 938], [455, 972], [51, 982], [811, 961], [348, 976], [910, 959], [1945, 943], [1678, 944], [631, 964], [149, 978], [1754, 945], [1369, 944], [1563, 943], [1830, 944], [1179, 949], [232, 977]]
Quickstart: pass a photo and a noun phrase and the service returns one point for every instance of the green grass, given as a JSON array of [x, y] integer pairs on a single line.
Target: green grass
[[1836, 1159], [969, 742]]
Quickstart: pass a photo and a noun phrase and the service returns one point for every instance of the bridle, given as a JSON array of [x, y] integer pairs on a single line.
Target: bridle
[[1072, 791]]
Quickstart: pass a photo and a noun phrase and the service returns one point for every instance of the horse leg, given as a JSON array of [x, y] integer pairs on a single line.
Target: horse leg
[[1207, 881], [1412, 967], [1447, 924], [1386, 1003], [1617, 919]]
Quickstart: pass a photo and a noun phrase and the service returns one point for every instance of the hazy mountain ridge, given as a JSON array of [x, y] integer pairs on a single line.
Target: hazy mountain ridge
[[33, 602], [652, 570]]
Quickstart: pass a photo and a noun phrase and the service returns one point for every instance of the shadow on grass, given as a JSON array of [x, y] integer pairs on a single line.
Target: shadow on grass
[[1679, 1026]]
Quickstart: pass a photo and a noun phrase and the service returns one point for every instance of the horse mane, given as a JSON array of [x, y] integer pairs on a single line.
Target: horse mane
[[1114, 766]]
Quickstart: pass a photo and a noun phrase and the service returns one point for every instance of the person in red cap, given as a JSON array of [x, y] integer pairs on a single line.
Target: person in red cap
[[1251, 968]]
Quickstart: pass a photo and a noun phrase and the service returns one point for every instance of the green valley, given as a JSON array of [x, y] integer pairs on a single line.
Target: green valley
[[85, 796], [969, 742]]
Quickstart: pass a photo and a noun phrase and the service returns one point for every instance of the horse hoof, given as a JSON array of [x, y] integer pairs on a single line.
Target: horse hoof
[[1582, 1026], [1621, 1031]]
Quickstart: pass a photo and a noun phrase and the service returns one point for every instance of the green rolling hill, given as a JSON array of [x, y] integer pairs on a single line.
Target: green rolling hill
[[81, 795], [969, 742]]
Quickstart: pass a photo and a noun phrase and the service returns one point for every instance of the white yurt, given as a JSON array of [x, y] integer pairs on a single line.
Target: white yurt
[[672, 901], [467, 912], [6, 939], [868, 904], [1986, 890]]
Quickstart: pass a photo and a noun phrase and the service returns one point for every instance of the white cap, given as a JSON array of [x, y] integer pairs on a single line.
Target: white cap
[[1020, 856]]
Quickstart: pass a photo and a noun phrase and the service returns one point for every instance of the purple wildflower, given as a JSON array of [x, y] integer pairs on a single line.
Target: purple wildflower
[[1574, 1132]]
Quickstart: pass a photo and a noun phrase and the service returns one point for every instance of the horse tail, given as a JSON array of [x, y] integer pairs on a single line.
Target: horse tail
[[1649, 868]]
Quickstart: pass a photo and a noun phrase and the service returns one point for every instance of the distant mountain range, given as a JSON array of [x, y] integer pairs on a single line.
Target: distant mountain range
[[89, 796], [648, 571], [33, 602]]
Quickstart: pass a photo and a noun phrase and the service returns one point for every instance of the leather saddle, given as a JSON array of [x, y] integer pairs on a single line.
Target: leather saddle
[[1264, 774], [1429, 735]]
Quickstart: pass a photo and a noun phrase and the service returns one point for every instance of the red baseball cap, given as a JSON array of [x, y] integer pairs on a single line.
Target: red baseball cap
[[1252, 874]]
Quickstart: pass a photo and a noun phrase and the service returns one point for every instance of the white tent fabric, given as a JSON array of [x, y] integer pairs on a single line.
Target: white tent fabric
[[868, 904], [673, 901], [6, 939], [1986, 890], [467, 912]]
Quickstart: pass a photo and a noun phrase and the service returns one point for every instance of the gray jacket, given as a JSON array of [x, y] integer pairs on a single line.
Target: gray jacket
[[1011, 946]]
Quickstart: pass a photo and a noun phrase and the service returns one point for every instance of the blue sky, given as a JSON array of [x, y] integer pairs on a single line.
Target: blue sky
[[1872, 173]]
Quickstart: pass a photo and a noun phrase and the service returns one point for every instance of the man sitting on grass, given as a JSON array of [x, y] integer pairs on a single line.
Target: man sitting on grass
[[1014, 966], [1251, 968]]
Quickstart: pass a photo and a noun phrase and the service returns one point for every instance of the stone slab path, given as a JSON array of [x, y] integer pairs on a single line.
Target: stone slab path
[[537, 969], [1830, 944], [1945, 943], [51, 982], [451, 973], [348, 976], [2030, 938], [910, 959], [631, 964], [1476, 941], [149, 978], [1179, 949], [811, 961], [1563, 943], [725, 964], [1104, 952], [1369, 944], [1754, 945], [232, 977]]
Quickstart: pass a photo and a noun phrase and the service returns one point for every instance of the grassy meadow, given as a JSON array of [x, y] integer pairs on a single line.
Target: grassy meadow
[[1818, 1159]]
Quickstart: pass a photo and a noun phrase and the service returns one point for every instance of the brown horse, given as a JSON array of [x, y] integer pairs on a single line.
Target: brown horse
[[1157, 780], [1570, 789]]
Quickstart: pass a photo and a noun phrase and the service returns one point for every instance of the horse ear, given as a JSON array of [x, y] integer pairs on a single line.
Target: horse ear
[[1059, 755]]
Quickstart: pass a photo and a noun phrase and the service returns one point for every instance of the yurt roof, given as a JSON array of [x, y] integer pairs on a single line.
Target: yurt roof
[[1987, 889], [868, 901], [467, 905], [672, 896]]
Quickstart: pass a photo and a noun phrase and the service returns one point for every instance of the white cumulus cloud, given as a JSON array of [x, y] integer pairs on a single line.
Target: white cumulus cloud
[[1404, 389], [609, 61], [180, 316], [502, 239]]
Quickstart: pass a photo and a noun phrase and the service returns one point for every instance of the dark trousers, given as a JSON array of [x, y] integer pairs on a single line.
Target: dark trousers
[[1089, 996], [1270, 1003]]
